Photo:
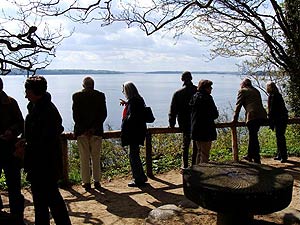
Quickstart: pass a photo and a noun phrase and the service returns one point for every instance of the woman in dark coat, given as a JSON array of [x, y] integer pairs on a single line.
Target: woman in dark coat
[[204, 112], [133, 131], [278, 117]]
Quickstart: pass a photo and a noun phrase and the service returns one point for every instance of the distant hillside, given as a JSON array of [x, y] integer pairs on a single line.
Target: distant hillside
[[193, 72], [64, 72]]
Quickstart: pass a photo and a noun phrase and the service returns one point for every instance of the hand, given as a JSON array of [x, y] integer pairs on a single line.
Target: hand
[[20, 149], [122, 102]]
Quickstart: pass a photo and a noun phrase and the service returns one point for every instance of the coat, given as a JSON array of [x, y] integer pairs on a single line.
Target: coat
[[277, 111], [43, 153], [89, 111], [250, 99], [180, 107], [204, 112], [133, 128]]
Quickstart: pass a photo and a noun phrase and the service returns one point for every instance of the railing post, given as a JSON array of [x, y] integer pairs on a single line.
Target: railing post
[[149, 154], [234, 143], [65, 159]]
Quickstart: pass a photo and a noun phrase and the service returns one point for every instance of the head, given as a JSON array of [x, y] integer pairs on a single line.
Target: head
[[271, 87], [205, 85], [35, 88], [186, 76], [130, 90], [246, 83], [88, 83]]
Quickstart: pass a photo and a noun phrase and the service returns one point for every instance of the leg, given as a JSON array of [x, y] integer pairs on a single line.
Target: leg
[[280, 140], [185, 149], [253, 145], [205, 149], [194, 154], [96, 145], [136, 164], [84, 154], [57, 206], [198, 154]]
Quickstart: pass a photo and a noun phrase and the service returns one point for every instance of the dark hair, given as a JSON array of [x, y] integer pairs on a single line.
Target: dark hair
[[203, 84], [37, 84], [186, 75]]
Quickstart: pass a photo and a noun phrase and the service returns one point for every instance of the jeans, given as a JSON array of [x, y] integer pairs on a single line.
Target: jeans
[[186, 141], [280, 129], [90, 148], [136, 164], [253, 143]]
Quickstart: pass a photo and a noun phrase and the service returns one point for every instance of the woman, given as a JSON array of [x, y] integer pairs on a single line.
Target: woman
[[133, 131], [278, 116], [204, 112]]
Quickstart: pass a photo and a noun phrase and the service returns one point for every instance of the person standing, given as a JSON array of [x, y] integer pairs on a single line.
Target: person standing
[[89, 114], [204, 112], [278, 117], [11, 126], [133, 131], [249, 97], [43, 153], [181, 110]]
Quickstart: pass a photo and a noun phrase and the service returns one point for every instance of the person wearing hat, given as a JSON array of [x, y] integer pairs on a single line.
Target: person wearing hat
[[181, 110], [204, 112], [249, 98]]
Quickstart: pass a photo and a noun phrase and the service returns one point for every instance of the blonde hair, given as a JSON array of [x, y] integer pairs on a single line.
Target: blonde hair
[[130, 90]]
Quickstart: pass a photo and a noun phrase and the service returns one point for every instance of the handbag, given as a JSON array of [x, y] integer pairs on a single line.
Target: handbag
[[149, 117]]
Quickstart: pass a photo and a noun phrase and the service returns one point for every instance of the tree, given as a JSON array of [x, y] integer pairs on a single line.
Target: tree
[[25, 43], [265, 32]]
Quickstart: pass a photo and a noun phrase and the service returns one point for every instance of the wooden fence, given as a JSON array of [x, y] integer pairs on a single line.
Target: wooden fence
[[148, 143]]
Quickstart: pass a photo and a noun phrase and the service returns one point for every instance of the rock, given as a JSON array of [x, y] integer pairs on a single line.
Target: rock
[[164, 212]]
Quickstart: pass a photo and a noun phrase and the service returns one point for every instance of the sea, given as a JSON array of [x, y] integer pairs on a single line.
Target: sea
[[156, 88]]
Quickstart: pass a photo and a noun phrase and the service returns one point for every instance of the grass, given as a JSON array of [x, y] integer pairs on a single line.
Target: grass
[[166, 152]]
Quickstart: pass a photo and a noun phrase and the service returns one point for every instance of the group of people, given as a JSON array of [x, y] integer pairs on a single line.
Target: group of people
[[195, 111], [34, 143]]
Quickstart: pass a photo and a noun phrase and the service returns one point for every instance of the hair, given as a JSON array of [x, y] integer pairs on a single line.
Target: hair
[[186, 76], [130, 90], [88, 83], [203, 84], [271, 87], [246, 83], [37, 84]]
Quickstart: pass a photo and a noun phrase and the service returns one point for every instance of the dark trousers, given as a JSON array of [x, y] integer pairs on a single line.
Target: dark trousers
[[280, 129], [12, 171], [253, 143], [136, 164], [46, 195], [186, 141]]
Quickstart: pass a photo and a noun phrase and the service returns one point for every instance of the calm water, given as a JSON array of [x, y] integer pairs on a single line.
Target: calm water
[[157, 90]]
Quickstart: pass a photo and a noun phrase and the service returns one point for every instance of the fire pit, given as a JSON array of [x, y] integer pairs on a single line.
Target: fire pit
[[237, 190]]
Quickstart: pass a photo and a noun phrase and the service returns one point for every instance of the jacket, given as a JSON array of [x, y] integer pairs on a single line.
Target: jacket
[[277, 111], [250, 99], [204, 112], [180, 107], [43, 153], [133, 128], [89, 111]]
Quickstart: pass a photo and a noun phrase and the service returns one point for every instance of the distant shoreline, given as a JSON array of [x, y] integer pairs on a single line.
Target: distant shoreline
[[94, 72]]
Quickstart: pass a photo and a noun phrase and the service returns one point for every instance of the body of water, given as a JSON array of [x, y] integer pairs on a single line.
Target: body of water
[[157, 90]]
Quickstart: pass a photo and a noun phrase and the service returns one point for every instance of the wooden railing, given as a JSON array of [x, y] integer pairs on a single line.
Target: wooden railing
[[148, 142]]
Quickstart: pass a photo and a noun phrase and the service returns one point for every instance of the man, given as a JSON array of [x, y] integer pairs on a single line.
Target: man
[[89, 114], [250, 98], [11, 126], [43, 154], [203, 128], [181, 110]]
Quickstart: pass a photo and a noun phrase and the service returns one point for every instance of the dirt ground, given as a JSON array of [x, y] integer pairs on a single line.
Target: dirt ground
[[118, 204]]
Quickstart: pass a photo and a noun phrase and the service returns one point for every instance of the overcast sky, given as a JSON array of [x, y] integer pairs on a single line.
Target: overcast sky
[[122, 49]]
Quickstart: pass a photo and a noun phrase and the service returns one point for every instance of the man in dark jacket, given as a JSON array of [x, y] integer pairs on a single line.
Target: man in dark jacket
[[11, 126], [204, 112], [181, 110], [89, 114], [43, 154]]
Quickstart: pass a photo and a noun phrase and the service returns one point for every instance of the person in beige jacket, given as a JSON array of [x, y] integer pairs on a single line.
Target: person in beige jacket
[[250, 98]]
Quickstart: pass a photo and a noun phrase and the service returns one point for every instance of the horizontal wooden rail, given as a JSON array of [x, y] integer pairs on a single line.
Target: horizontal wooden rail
[[148, 142]]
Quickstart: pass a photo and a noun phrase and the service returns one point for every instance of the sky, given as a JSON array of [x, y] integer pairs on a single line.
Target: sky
[[119, 48]]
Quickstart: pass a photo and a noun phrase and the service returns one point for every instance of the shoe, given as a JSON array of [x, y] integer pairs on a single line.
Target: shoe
[[277, 158], [97, 185], [87, 186], [283, 161], [247, 158]]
